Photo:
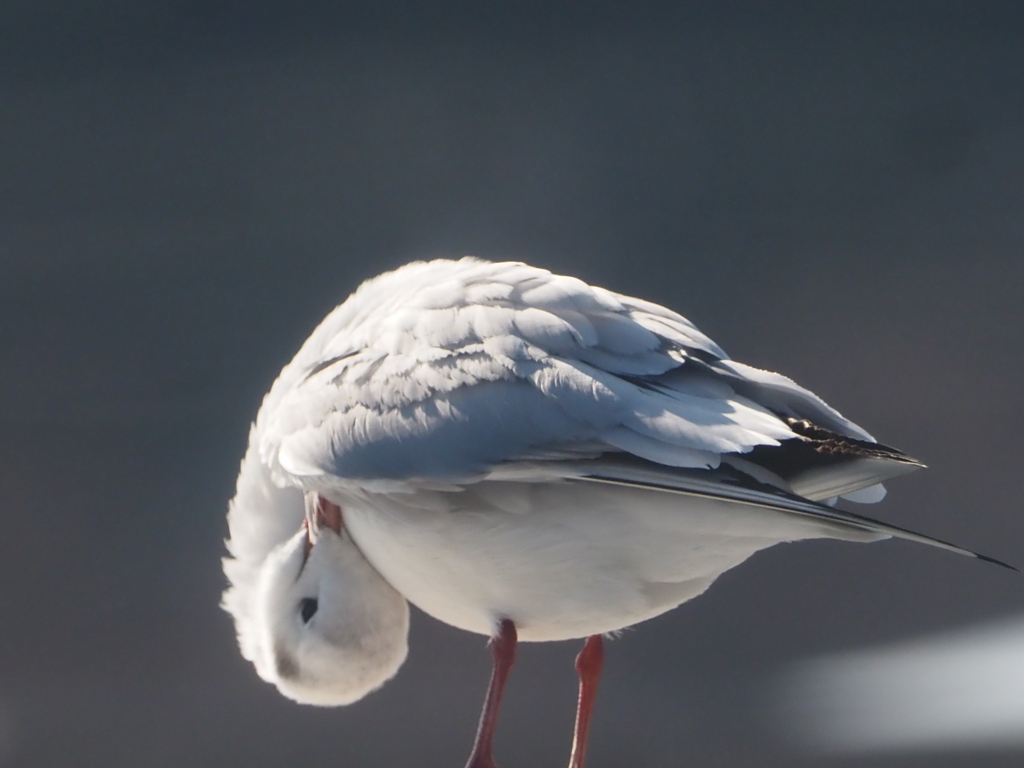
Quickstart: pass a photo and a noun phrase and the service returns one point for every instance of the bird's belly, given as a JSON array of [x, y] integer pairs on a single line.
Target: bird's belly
[[561, 560]]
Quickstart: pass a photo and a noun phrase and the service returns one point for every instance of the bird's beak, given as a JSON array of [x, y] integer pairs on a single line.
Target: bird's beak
[[327, 515], [320, 513]]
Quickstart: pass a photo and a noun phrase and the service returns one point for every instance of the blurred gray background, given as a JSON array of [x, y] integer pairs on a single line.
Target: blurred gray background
[[834, 191]]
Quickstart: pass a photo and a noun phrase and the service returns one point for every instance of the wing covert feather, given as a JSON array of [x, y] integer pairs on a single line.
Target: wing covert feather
[[443, 370]]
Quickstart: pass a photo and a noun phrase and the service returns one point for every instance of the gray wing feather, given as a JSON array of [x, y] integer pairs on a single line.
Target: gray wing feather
[[441, 371]]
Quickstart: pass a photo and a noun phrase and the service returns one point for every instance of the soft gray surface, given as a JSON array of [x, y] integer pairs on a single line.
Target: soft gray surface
[[185, 190]]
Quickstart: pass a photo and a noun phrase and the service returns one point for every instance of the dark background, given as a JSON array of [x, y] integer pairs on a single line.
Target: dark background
[[834, 191]]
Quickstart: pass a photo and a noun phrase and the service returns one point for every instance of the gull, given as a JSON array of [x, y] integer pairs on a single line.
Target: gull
[[523, 456]]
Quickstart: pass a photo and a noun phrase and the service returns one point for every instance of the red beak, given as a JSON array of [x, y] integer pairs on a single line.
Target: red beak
[[328, 515], [325, 514]]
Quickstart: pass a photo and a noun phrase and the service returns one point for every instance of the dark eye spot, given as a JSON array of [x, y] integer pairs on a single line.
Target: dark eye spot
[[307, 608]]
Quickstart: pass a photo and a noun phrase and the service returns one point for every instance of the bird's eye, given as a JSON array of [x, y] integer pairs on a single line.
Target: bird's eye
[[307, 608]]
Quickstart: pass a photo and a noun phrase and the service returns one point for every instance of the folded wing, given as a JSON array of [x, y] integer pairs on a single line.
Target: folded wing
[[444, 380]]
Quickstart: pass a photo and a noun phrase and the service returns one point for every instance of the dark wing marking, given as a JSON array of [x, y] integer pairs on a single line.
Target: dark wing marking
[[820, 463]]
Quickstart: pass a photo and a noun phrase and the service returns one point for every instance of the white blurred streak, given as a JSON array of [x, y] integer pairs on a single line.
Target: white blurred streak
[[962, 689]]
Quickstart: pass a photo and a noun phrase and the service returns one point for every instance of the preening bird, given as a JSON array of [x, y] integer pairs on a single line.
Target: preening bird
[[520, 455]]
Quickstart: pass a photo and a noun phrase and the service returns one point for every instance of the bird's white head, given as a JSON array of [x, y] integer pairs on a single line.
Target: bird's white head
[[333, 629]]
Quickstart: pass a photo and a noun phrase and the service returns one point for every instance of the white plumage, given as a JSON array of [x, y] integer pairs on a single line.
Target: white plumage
[[508, 444]]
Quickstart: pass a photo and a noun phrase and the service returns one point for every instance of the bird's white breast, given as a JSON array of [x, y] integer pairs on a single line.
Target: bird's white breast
[[562, 560]]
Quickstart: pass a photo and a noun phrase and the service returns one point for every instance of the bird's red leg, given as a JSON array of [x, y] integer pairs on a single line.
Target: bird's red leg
[[503, 650], [588, 665]]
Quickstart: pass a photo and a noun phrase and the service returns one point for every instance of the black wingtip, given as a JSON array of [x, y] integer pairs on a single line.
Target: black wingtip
[[992, 560]]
